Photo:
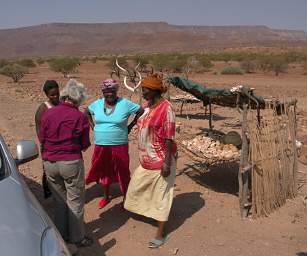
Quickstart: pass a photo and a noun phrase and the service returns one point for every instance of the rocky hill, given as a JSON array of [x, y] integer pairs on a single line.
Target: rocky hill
[[140, 37]]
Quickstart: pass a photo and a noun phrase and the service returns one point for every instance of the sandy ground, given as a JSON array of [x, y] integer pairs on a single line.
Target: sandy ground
[[205, 218]]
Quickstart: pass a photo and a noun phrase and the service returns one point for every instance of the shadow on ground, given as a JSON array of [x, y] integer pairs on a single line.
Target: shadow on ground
[[108, 221], [96, 191], [184, 206], [220, 178], [96, 248], [201, 116]]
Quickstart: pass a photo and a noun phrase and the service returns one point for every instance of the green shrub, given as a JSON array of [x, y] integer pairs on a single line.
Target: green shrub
[[232, 71], [143, 60], [278, 64], [64, 65], [93, 59], [122, 61], [14, 71], [205, 62], [161, 62], [169, 62], [291, 57], [40, 61], [248, 66], [3, 63], [263, 63], [192, 65], [177, 63], [26, 63], [197, 64]]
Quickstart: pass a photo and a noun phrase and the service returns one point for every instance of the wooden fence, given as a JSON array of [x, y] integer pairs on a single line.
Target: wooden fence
[[272, 158]]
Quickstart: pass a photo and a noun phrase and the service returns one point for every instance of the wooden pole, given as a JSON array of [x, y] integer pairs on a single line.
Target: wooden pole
[[181, 107], [210, 115], [243, 175], [294, 128]]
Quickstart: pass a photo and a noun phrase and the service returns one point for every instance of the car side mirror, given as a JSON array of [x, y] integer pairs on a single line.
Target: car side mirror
[[26, 150]]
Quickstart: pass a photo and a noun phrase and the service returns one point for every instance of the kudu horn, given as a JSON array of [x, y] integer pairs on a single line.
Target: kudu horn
[[125, 76]]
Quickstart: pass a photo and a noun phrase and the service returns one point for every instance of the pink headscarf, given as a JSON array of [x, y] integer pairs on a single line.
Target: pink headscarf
[[109, 84]]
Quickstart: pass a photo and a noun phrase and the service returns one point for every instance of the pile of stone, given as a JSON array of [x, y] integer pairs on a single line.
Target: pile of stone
[[212, 150]]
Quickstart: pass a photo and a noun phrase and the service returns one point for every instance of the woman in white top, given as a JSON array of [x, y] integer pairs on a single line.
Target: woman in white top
[[51, 89]]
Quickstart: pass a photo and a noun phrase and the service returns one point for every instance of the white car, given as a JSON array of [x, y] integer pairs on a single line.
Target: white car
[[25, 228]]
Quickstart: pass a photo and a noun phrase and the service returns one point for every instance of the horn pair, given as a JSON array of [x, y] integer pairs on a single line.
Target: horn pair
[[132, 89]]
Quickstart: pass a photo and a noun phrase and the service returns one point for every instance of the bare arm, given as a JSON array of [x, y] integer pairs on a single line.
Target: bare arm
[[38, 117], [90, 118], [166, 168], [135, 119]]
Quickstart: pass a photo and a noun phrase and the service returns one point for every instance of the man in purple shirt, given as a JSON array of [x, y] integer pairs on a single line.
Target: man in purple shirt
[[64, 134]]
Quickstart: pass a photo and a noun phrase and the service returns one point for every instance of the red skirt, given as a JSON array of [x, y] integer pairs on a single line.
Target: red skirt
[[110, 164]]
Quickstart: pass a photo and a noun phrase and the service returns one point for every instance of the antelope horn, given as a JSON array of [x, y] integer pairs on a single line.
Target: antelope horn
[[125, 77], [115, 72], [121, 68], [152, 70], [136, 67], [127, 86], [140, 79], [112, 73], [136, 86], [139, 75]]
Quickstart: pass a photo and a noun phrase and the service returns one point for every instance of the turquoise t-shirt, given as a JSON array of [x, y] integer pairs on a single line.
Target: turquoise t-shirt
[[112, 129]]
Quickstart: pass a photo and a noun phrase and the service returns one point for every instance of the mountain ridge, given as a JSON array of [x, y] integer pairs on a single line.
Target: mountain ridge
[[136, 37]]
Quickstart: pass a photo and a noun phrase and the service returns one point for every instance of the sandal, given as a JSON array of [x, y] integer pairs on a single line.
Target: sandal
[[156, 243], [103, 202], [85, 242]]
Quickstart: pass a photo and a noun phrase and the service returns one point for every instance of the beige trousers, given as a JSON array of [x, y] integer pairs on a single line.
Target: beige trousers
[[66, 180]]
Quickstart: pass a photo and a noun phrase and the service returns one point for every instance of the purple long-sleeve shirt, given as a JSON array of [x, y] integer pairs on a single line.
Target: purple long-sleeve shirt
[[64, 133]]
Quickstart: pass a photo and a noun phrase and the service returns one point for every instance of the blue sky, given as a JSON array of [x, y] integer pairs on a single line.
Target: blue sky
[[288, 14]]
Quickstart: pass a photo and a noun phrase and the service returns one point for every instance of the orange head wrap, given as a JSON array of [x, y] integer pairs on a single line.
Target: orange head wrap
[[154, 82]]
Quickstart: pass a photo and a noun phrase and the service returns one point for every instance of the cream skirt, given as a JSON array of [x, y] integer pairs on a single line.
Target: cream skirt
[[149, 194]]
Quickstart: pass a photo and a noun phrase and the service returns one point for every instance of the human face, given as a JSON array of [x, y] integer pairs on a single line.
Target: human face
[[54, 96], [149, 94], [110, 95]]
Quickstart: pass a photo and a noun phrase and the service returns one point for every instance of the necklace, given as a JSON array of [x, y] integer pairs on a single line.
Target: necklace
[[112, 109]]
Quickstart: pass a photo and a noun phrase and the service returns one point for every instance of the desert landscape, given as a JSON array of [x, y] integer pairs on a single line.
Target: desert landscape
[[205, 217]]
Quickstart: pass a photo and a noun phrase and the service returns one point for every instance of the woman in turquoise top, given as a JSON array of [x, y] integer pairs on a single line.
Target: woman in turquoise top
[[108, 118]]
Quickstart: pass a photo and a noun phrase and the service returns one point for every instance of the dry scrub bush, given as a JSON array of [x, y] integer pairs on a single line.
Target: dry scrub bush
[[40, 61], [249, 66], [232, 71], [28, 63], [3, 63], [14, 71], [64, 65]]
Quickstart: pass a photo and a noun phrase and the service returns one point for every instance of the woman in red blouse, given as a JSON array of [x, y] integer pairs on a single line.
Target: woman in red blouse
[[150, 191]]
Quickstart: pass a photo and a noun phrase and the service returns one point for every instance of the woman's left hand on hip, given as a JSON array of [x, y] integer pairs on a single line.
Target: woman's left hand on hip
[[166, 170]]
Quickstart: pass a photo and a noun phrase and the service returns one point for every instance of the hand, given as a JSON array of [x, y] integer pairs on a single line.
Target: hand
[[166, 170], [41, 147], [130, 126]]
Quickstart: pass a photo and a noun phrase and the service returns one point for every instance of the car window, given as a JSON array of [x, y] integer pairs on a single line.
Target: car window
[[2, 166]]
